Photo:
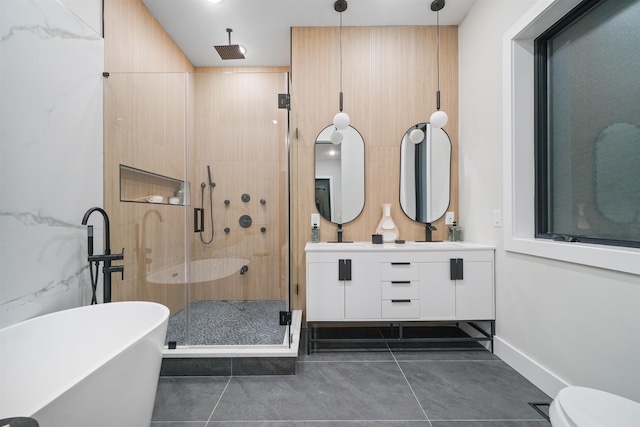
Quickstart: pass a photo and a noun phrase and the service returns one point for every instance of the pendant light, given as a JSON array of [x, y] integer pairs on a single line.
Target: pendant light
[[439, 118], [341, 119], [416, 135]]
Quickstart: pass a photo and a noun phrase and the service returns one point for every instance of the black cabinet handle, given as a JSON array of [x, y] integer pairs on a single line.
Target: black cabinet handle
[[456, 269], [400, 300], [344, 269], [401, 282], [459, 269], [400, 263]]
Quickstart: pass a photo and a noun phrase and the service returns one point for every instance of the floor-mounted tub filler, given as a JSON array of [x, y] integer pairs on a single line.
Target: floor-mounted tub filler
[[88, 366]]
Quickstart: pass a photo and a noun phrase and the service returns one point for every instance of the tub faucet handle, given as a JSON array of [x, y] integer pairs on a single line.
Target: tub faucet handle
[[117, 268]]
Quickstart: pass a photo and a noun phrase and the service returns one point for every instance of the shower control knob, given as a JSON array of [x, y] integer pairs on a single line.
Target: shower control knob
[[245, 197], [226, 202], [245, 221], [263, 229], [227, 229], [263, 202]]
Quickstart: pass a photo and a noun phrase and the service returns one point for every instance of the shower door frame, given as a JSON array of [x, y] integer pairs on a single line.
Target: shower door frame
[[193, 174]]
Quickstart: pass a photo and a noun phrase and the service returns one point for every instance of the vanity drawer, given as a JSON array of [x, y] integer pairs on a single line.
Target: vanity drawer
[[400, 308], [402, 289], [393, 271]]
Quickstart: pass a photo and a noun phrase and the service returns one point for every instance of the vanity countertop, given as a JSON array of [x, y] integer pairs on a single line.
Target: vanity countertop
[[400, 247]]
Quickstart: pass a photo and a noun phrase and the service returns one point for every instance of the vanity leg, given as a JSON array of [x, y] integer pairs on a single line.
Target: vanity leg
[[493, 332]]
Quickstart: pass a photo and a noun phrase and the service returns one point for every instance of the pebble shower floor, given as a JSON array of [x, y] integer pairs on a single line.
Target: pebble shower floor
[[229, 323]]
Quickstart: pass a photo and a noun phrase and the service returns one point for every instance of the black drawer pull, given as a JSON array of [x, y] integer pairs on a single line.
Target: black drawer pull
[[401, 282], [400, 263], [400, 300]]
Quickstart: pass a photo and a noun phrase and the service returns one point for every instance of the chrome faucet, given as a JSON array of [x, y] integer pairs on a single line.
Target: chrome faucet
[[107, 257]]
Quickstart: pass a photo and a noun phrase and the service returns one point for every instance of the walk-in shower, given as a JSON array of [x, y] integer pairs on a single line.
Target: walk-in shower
[[215, 145]]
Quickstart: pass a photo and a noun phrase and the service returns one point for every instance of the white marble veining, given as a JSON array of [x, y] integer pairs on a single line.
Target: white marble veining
[[51, 155]]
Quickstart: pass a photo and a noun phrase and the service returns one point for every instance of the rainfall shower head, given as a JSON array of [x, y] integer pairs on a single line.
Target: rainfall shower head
[[230, 51]]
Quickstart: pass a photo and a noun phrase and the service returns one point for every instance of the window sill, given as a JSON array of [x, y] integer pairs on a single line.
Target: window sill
[[625, 260]]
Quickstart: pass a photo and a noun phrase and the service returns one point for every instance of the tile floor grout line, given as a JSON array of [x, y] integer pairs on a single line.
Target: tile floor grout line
[[219, 399], [407, 381]]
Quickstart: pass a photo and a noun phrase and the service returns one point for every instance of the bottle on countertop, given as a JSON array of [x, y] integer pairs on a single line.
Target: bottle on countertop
[[455, 233]]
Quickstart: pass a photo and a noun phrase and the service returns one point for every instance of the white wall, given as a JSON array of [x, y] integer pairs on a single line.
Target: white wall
[[50, 155], [558, 322]]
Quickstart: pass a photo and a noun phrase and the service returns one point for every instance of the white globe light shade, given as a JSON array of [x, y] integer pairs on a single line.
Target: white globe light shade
[[336, 137], [416, 136], [341, 120], [439, 119]]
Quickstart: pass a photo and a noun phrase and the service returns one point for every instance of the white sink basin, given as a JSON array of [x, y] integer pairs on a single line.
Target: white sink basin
[[342, 245]]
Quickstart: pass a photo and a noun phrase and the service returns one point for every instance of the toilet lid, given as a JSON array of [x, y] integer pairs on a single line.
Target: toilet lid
[[586, 407]]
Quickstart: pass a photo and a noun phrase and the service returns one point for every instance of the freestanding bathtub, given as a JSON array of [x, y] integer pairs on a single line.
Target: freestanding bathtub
[[88, 366]]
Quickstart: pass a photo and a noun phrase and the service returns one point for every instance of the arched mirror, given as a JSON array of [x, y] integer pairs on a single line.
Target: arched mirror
[[425, 173], [339, 174]]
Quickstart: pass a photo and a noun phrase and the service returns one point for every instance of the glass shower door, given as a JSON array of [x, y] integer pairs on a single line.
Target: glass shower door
[[238, 235], [196, 183], [145, 134]]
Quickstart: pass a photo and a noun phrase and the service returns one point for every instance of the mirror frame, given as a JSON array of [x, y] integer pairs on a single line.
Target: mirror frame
[[445, 157], [318, 141]]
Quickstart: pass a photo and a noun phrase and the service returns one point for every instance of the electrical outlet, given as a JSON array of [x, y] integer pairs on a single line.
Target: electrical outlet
[[315, 219], [497, 218], [449, 218]]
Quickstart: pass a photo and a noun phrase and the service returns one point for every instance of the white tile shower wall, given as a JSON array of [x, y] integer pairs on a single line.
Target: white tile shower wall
[[50, 155]]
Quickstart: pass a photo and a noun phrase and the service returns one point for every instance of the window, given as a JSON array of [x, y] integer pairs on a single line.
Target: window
[[587, 125]]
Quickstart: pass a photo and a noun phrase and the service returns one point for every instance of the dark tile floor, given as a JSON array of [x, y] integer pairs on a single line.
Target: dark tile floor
[[379, 385]]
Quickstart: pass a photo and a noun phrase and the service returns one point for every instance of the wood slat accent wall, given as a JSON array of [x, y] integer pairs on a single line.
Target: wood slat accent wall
[[235, 134], [134, 41], [389, 83]]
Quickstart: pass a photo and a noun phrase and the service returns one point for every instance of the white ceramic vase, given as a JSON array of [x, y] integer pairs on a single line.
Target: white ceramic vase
[[386, 226]]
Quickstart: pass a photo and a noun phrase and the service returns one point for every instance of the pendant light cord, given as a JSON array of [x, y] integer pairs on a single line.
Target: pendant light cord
[[340, 51], [438, 29], [340, 102]]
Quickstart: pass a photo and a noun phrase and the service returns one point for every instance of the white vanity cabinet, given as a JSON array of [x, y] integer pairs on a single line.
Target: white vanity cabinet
[[414, 281], [336, 298]]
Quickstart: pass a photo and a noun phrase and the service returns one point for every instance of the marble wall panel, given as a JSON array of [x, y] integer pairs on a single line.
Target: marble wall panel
[[50, 156]]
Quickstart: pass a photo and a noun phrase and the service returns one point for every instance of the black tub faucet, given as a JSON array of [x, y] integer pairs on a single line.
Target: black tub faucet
[[107, 257]]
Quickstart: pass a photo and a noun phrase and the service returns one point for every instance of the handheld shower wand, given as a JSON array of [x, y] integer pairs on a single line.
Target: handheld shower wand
[[211, 183]]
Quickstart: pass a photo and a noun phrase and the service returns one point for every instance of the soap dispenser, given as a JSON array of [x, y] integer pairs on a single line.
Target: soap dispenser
[[455, 233], [315, 228]]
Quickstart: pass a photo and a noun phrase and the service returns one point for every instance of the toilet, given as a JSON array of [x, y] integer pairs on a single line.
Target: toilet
[[586, 407]]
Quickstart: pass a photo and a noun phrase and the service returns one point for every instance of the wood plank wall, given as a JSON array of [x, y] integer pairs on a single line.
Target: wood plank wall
[[389, 83], [241, 134]]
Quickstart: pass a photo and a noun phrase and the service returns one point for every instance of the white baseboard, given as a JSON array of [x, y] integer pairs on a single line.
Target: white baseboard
[[545, 380]]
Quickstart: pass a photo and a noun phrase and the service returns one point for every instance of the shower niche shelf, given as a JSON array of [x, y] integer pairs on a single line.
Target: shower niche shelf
[[136, 185]]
